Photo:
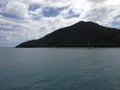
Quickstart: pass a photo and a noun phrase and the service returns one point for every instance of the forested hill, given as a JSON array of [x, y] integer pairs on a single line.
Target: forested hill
[[81, 34]]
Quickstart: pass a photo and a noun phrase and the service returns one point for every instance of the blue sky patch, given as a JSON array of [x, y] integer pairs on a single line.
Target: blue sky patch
[[10, 15], [52, 12], [116, 23], [33, 7], [71, 14]]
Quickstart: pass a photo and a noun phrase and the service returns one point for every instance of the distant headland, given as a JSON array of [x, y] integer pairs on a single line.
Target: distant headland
[[81, 34]]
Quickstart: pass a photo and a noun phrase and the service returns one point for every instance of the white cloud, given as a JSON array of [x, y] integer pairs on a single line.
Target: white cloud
[[17, 9], [94, 1], [33, 24]]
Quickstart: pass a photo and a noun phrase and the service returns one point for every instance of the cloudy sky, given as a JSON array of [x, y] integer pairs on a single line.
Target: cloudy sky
[[22, 20]]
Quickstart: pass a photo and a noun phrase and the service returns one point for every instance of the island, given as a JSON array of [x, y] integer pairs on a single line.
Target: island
[[81, 34]]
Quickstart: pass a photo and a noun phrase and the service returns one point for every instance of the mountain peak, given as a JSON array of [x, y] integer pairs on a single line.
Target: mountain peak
[[81, 34], [86, 23]]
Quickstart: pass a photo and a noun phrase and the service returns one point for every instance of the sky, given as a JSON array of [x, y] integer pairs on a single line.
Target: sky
[[23, 20]]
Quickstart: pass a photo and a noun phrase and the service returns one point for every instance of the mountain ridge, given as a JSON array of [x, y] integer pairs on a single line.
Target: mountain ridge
[[81, 34]]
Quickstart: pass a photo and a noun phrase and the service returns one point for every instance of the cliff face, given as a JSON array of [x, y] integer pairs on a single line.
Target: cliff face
[[81, 34]]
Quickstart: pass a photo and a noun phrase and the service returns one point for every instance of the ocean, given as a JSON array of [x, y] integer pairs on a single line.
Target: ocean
[[60, 69]]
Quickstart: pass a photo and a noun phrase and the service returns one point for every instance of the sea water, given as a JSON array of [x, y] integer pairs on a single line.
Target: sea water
[[60, 69]]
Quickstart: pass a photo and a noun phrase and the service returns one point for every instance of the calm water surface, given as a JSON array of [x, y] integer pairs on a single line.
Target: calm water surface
[[60, 69]]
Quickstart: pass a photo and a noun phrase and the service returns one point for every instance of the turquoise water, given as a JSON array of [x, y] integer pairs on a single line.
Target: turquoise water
[[60, 69]]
